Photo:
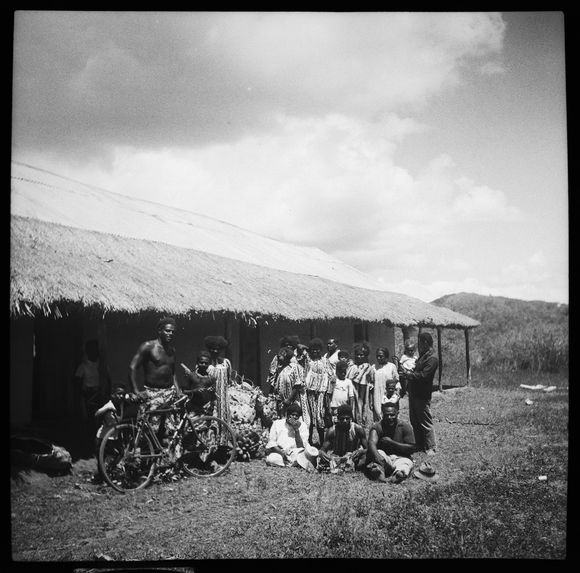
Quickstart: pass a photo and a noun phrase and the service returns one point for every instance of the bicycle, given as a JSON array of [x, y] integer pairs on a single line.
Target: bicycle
[[131, 452]]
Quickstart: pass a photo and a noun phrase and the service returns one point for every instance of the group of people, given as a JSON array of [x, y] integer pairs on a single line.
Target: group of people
[[334, 411], [320, 382], [338, 414], [153, 381], [384, 454]]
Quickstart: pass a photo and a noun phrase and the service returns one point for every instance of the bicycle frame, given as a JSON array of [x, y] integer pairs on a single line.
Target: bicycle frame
[[201, 445], [143, 424]]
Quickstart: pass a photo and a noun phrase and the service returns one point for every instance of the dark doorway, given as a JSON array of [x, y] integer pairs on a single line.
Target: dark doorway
[[57, 352], [360, 331], [249, 365]]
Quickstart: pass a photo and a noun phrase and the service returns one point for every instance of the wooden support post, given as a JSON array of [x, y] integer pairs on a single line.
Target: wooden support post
[[104, 380], [259, 360], [228, 336], [313, 329], [439, 355], [467, 360]]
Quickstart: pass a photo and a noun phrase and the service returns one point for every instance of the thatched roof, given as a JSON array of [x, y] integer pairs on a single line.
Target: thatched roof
[[55, 265], [42, 195]]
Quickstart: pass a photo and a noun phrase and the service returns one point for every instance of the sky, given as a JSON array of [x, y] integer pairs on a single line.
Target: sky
[[428, 150]]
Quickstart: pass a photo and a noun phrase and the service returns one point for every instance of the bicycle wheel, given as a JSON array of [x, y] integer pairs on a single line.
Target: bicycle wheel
[[208, 446], [126, 457]]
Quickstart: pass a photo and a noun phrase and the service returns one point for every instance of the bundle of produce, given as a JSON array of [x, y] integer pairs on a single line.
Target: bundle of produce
[[249, 442], [241, 401], [265, 407], [244, 413], [248, 404]]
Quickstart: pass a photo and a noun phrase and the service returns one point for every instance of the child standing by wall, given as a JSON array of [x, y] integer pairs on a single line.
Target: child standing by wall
[[343, 390]]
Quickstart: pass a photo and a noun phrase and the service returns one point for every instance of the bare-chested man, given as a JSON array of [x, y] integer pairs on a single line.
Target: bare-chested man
[[156, 358]]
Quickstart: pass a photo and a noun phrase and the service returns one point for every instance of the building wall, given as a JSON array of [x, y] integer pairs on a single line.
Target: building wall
[[21, 367], [62, 341], [270, 335], [343, 329], [124, 335], [380, 334], [340, 329]]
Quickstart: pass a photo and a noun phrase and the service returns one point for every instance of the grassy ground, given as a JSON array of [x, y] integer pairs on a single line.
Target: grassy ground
[[488, 502]]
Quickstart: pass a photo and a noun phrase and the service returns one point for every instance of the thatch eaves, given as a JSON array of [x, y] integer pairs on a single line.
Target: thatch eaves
[[52, 266], [39, 194]]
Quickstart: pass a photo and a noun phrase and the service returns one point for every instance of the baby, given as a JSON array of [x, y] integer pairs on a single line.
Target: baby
[[407, 364], [408, 360], [392, 392]]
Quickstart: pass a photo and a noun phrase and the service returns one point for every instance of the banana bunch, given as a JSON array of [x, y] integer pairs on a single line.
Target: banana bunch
[[249, 442]]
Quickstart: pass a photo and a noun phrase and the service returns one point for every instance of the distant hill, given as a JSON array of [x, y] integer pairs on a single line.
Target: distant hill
[[504, 313], [513, 333]]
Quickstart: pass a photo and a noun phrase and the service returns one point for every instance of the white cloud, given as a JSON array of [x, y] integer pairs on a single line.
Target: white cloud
[[492, 68], [538, 259], [554, 291], [90, 81], [481, 203], [330, 182]]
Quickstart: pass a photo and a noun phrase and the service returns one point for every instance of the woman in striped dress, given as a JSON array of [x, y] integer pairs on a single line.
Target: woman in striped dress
[[316, 382], [220, 369]]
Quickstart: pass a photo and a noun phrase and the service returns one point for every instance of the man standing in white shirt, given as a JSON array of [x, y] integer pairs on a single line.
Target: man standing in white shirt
[[332, 351]]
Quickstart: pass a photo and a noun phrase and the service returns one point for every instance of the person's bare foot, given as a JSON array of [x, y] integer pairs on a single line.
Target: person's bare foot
[[397, 476], [375, 472]]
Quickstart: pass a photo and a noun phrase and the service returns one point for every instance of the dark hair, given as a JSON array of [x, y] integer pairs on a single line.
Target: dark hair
[[340, 365], [165, 320], [286, 352], [344, 410], [334, 339], [203, 354], [294, 407], [390, 405], [93, 343], [426, 338], [384, 349], [294, 340], [364, 346], [343, 354], [215, 342], [315, 343], [289, 340]]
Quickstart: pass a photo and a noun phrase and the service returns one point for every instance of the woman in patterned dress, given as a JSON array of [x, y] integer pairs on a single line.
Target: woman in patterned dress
[[316, 382], [220, 369], [287, 341], [359, 374], [381, 374], [288, 383]]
